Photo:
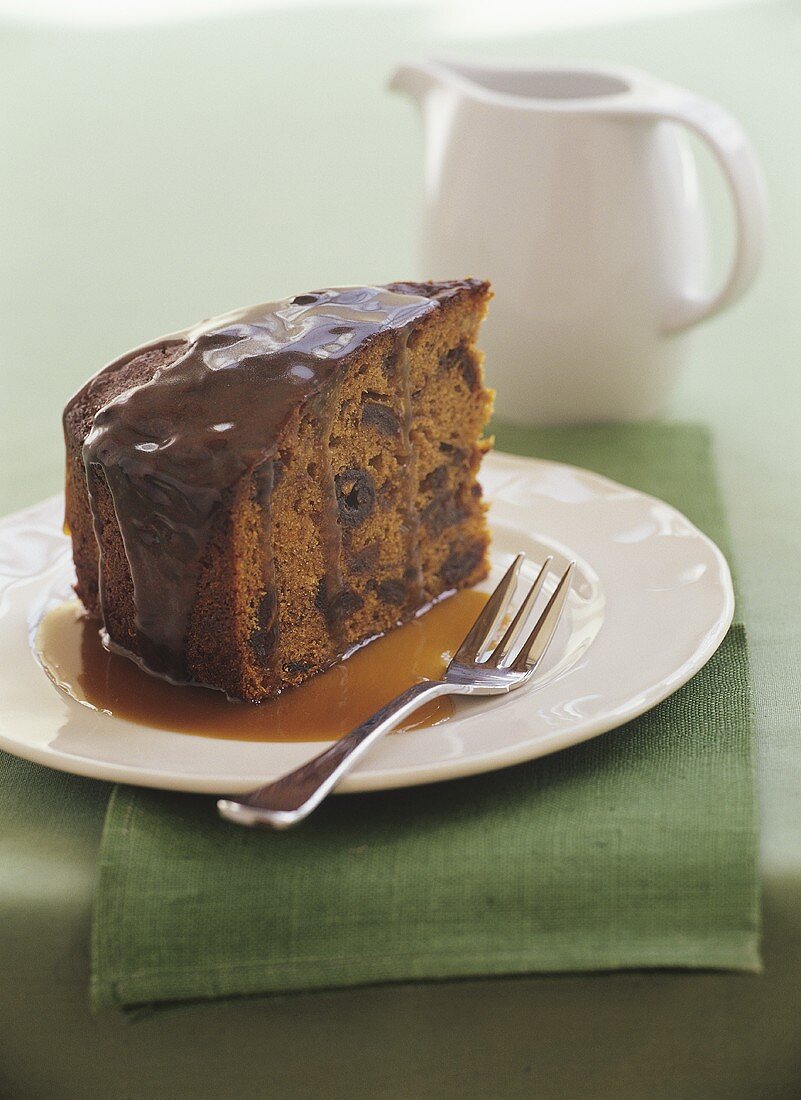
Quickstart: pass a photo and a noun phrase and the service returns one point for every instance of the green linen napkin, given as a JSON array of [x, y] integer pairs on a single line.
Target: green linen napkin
[[636, 849]]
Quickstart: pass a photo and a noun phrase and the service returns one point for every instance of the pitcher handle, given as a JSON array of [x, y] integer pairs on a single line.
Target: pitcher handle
[[734, 153]]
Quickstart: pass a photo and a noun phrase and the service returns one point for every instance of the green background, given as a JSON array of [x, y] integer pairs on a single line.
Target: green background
[[153, 176]]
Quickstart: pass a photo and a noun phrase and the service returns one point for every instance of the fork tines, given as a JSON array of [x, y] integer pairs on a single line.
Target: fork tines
[[475, 649]]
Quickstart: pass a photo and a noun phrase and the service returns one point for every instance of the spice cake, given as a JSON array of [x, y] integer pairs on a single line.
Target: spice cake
[[250, 498]]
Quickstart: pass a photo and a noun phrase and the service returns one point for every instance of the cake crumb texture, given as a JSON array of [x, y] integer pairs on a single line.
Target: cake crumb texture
[[366, 509]]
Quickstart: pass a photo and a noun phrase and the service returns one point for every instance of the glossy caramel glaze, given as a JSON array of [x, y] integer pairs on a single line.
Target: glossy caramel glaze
[[324, 708], [171, 448]]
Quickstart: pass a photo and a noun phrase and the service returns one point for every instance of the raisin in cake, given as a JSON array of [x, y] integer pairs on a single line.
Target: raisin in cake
[[251, 498]]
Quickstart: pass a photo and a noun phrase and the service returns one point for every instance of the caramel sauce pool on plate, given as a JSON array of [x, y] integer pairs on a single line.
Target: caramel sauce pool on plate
[[324, 708]]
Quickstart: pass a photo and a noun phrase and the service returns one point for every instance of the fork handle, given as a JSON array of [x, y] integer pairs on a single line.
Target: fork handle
[[291, 798]]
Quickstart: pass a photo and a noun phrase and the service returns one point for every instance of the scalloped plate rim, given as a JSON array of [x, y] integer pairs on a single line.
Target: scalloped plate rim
[[372, 775]]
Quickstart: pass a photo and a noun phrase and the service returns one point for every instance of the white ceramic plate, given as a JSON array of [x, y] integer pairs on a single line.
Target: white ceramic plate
[[651, 602]]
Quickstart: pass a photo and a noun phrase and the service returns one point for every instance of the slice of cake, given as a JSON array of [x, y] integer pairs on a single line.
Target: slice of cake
[[251, 498]]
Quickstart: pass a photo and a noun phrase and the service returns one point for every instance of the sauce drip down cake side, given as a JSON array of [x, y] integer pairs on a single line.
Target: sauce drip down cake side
[[251, 498]]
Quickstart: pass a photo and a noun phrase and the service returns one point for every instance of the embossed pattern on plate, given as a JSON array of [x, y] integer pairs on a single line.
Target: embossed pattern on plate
[[651, 602]]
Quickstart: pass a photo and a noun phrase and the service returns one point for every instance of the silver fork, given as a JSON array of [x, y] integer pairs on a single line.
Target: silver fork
[[475, 670]]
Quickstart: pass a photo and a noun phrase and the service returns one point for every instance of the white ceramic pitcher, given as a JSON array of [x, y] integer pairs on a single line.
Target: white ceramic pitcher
[[575, 192]]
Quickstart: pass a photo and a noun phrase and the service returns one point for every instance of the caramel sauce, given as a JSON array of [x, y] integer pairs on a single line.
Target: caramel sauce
[[171, 448], [324, 708]]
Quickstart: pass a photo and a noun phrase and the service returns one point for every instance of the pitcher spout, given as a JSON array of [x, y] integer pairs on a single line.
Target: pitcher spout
[[417, 79]]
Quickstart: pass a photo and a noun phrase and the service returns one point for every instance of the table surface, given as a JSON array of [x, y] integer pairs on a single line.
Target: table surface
[[156, 175]]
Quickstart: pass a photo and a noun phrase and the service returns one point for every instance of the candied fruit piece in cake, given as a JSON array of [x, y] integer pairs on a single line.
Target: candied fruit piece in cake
[[251, 498]]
